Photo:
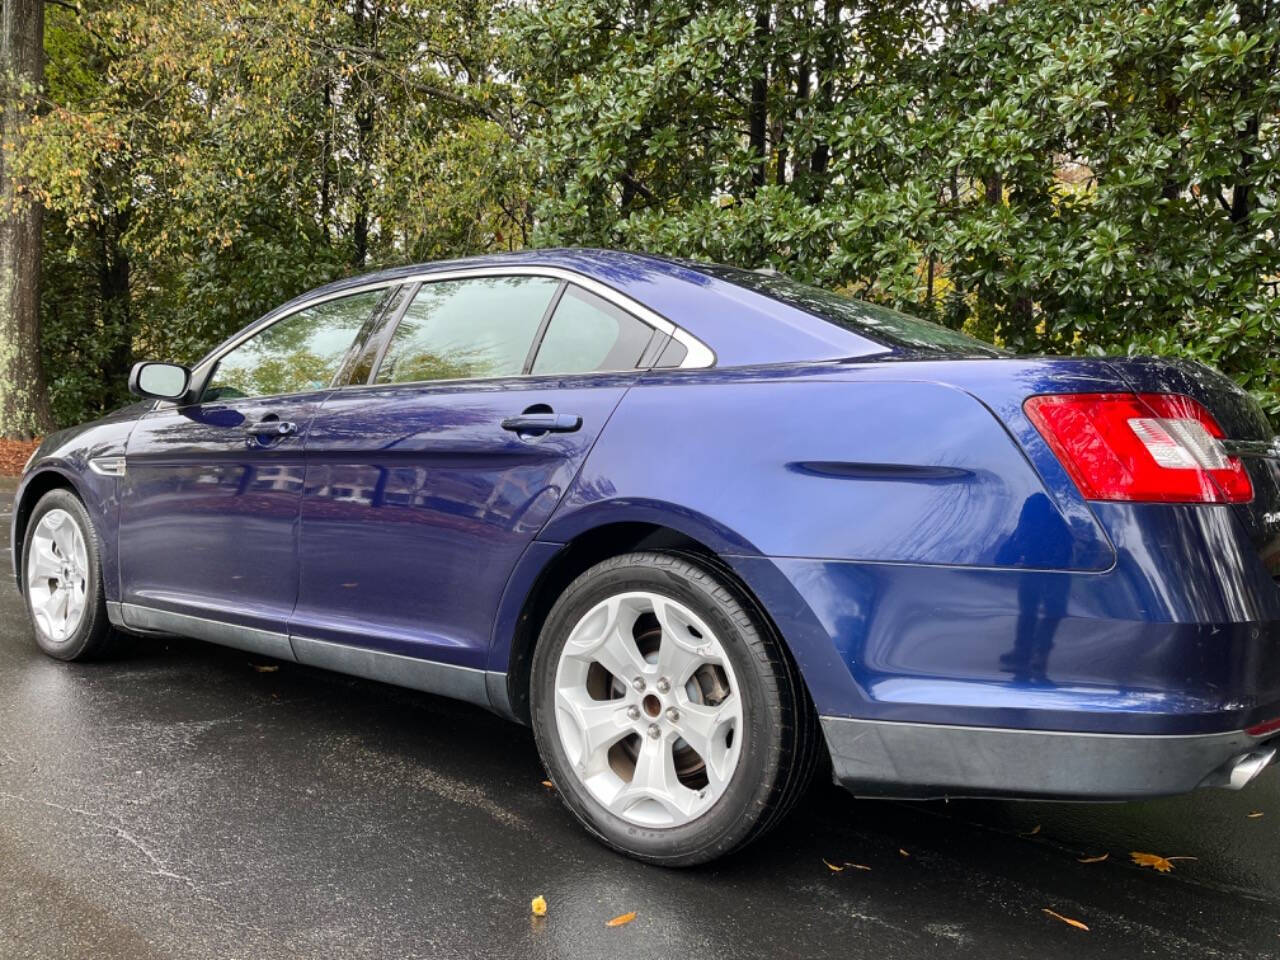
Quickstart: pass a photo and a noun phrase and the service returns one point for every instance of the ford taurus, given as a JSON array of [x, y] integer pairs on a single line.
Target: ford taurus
[[707, 530]]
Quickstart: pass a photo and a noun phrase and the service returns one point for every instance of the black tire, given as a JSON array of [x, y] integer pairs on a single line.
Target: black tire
[[93, 637], [779, 749]]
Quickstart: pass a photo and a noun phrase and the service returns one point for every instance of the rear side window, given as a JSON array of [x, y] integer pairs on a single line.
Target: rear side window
[[462, 329], [589, 333], [298, 354]]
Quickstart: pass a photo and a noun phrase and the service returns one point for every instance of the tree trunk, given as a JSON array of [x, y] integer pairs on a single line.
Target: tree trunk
[[24, 402], [826, 68], [759, 118], [117, 307], [366, 31]]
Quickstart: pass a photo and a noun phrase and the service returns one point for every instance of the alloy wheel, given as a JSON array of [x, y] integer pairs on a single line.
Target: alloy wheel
[[58, 575], [648, 709]]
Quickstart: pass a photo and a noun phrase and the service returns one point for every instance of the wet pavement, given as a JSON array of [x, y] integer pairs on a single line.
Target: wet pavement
[[179, 802]]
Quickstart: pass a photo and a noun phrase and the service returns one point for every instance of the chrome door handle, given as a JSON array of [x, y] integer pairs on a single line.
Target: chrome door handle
[[543, 423], [274, 428]]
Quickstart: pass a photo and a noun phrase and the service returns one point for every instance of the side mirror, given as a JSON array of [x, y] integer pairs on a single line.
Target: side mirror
[[159, 381]]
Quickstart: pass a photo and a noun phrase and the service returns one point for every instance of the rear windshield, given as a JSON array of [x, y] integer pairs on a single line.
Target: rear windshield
[[877, 323]]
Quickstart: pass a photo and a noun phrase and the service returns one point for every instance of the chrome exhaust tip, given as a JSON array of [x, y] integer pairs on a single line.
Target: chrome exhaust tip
[[1243, 769]]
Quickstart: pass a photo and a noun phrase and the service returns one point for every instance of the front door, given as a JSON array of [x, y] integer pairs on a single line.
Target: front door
[[424, 487], [210, 495]]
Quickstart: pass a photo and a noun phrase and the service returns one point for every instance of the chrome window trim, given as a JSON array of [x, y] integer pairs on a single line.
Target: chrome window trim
[[697, 356]]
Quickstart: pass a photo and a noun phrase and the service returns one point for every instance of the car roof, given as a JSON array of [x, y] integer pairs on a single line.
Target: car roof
[[741, 326]]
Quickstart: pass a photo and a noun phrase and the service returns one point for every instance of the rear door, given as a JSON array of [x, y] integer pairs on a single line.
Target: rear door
[[210, 496], [424, 485]]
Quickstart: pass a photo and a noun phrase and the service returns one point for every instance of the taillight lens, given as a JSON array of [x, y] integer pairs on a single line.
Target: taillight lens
[[1157, 447]]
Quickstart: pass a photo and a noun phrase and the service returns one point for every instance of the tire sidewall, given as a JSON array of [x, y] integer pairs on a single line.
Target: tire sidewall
[[731, 817], [92, 622]]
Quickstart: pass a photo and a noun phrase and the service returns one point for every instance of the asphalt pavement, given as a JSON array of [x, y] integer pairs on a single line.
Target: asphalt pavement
[[187, 801]]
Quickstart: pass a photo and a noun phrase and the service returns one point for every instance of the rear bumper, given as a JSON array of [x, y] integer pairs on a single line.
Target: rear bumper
[[923, 761]]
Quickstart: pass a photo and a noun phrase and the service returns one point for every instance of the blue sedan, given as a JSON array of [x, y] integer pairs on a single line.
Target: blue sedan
[[706, 530]]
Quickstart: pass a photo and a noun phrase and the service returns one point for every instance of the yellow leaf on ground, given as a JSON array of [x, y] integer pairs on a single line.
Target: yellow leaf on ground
[[548, 784], [831, 866], [903, 852], [266, 667], [1162, 864], [622, 919], [1057, 916], [1255, 815], [1098, 859], [539, 906], [1032, 832], [856, 866]]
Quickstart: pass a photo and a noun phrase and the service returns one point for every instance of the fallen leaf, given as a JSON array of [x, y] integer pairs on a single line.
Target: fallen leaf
[[266, 667], [1255, 815], [1057, 916], [1093, 859], [856, 866], [1032, 832], [903, 852], [620, 920], [548, 784], [538, 905], [831, 866], [1162, 864]]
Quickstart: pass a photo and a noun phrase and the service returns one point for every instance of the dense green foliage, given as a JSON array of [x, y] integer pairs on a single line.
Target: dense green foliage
[[1097, 176]]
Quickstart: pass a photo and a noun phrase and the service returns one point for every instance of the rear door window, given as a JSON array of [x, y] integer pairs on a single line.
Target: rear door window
[[588, 333], [466, 329]]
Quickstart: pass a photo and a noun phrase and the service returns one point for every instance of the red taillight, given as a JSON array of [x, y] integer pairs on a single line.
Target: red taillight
[[1156, 447], [1262, 729]]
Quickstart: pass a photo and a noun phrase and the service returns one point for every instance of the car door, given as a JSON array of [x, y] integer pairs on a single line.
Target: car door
[[425, 485], [211, 490]]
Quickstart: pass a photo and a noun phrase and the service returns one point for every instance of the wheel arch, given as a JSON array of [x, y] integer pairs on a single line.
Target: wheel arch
[[560, 567], [33, 488]]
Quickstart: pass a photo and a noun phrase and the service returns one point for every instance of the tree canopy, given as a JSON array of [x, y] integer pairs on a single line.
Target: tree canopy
[[1100, 176]]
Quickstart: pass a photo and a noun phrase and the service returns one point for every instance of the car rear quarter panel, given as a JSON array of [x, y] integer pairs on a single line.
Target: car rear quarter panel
[[827, 488], [844, 468], [926, 557]]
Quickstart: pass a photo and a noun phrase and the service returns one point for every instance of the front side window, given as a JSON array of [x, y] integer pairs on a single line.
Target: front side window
[[298, 354], [463, 329], [588, 333]]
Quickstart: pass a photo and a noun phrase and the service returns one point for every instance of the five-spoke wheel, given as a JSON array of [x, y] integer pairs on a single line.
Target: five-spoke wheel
[[669, 717], [62, 579], [647, 709], [57, 575]]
